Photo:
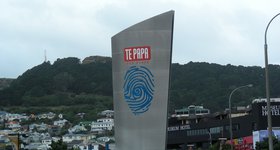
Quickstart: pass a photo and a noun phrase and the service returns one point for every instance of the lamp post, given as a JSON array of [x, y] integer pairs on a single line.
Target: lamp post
[[229, 106], [269, 124]]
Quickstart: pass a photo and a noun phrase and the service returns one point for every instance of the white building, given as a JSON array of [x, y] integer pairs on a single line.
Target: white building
[[47, 141], [56, 139], [14, 126], [11, 117], [76, 129], [103, 139], [2, 115], [67, 138], [49, 115], [107, 113], [60, 123], [38, 146], [89, 147], [103, 124]]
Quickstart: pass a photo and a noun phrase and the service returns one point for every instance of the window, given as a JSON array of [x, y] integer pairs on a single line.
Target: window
[[215, 130], [192, 111], [179, 113], [235, 127], [197, 132], [254, 126], [204, 111]]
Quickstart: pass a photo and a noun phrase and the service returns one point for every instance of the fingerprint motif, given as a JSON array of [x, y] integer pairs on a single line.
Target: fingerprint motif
[[138, 89]]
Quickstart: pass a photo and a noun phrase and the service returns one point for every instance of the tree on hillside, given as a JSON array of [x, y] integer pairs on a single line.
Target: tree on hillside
[[69, 82], [59, 145]]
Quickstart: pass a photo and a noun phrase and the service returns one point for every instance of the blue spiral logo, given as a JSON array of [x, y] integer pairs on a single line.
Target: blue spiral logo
[[138, 89]]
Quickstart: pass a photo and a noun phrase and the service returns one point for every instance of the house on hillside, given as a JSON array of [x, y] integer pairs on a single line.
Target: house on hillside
[[89, 146], [13, 125], [12, 117], [54, 130], [49, 115], [2, 115], [67, 138], [42, 127], [102, 124], [60, 123], [107, 113], [81, 115], [74, 144], [85, 123], [47, 141], [38, 127], [38, 146], [80, 145], [77, 129], [56, 139]]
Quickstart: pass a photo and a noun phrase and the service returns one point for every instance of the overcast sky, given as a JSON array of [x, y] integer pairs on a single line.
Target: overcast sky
[[214, 31]]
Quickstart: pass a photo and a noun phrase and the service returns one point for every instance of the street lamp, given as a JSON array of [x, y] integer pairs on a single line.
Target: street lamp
[[229, 106], [269, 125]]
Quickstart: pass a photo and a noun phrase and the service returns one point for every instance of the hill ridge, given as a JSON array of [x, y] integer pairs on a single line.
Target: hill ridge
[[68, 81]]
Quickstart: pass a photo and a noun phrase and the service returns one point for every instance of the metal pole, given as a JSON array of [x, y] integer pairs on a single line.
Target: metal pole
[[18, 138], [229, 106], [269, 124], [210, 138]]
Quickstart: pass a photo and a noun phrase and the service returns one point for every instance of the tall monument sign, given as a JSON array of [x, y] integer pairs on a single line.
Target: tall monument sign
[[141, 57]]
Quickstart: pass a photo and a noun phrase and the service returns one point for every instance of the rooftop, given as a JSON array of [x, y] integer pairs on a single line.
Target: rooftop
[[262, 100]]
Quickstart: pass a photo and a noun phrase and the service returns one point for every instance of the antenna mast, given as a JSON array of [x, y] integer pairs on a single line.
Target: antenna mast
[[45, 56]]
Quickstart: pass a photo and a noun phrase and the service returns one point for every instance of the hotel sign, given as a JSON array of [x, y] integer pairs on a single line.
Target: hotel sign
[[275, 110]]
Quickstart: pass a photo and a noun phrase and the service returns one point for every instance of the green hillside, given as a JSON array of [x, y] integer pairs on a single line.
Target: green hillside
[[69, 82], [5, 82]]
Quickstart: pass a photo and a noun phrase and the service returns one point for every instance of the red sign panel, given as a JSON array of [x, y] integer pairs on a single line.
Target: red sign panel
[[140, 53]]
